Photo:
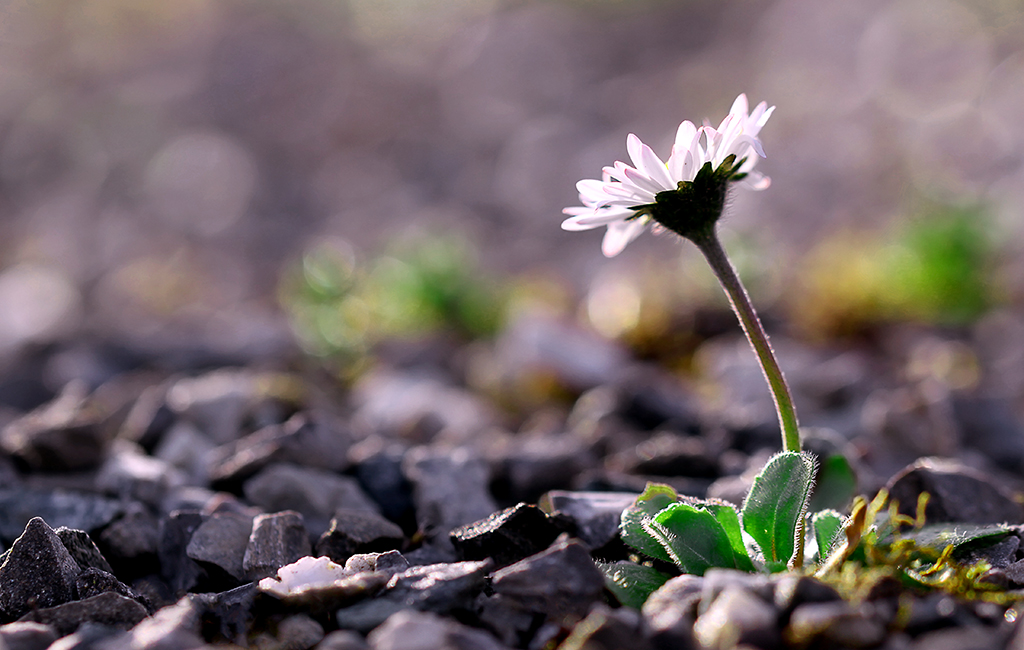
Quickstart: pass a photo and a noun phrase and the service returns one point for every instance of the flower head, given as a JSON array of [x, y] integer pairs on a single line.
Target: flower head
[[685, 194]]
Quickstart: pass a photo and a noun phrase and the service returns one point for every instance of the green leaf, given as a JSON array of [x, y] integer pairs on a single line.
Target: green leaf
[[656, 497], [827, 525], [939, 536], [836, 485], [693, 538], [632, 583], [727, 516], [776, 505]]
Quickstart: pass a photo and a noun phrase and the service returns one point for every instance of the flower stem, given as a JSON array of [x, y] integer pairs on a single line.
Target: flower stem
[[714, 253]]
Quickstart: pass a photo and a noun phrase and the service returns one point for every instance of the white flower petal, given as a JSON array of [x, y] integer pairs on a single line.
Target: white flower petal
[[739, 105], [613, 200], [594, 219], [655, 169], [619, 234]]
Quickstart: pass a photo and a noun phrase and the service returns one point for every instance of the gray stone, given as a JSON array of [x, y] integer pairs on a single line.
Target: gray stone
[[413, 630], [559, 582], [276, 540], [438, 588], [596, 514], [316, 494], [75, 510], [358, 531], [450, 489], [38, 571], [737, 616], [343, 640], [25, 635], [835, 624], [109, 608], [82, 549], [221, 540], [671, 611]]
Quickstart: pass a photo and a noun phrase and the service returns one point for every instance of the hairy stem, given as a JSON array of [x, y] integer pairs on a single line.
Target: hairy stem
[[714, 253]]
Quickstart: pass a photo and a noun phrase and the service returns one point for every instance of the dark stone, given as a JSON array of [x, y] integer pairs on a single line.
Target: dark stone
[[718, 580], [175, 627], [737, 616], [148, 418], [537, 463], [130, 542], [229, 612], [990, 425], [216, 402], [276, 540], [607, 629], [596, 515], [66, 434], [378, 466], [25, 635], [299, 632], [37, 573], [92, 636], [301, 440], [835, 624], [358, 531], [176, 529], [413, 630], [560, 582], [82, 549], [794, 590], [669, 454], [93, 582], [450, 489], [975, 637], [439, 588], [130, 474], [76, 510], [315, 493], [671, 611], [221, 541], [507, 536], [959, 494], [108, 608], [343, 640]]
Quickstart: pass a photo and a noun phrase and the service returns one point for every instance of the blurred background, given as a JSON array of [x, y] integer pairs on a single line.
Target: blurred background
[[221, 175]]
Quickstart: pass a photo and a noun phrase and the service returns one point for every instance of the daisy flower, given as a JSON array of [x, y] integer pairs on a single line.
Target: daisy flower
[[685, 194]]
